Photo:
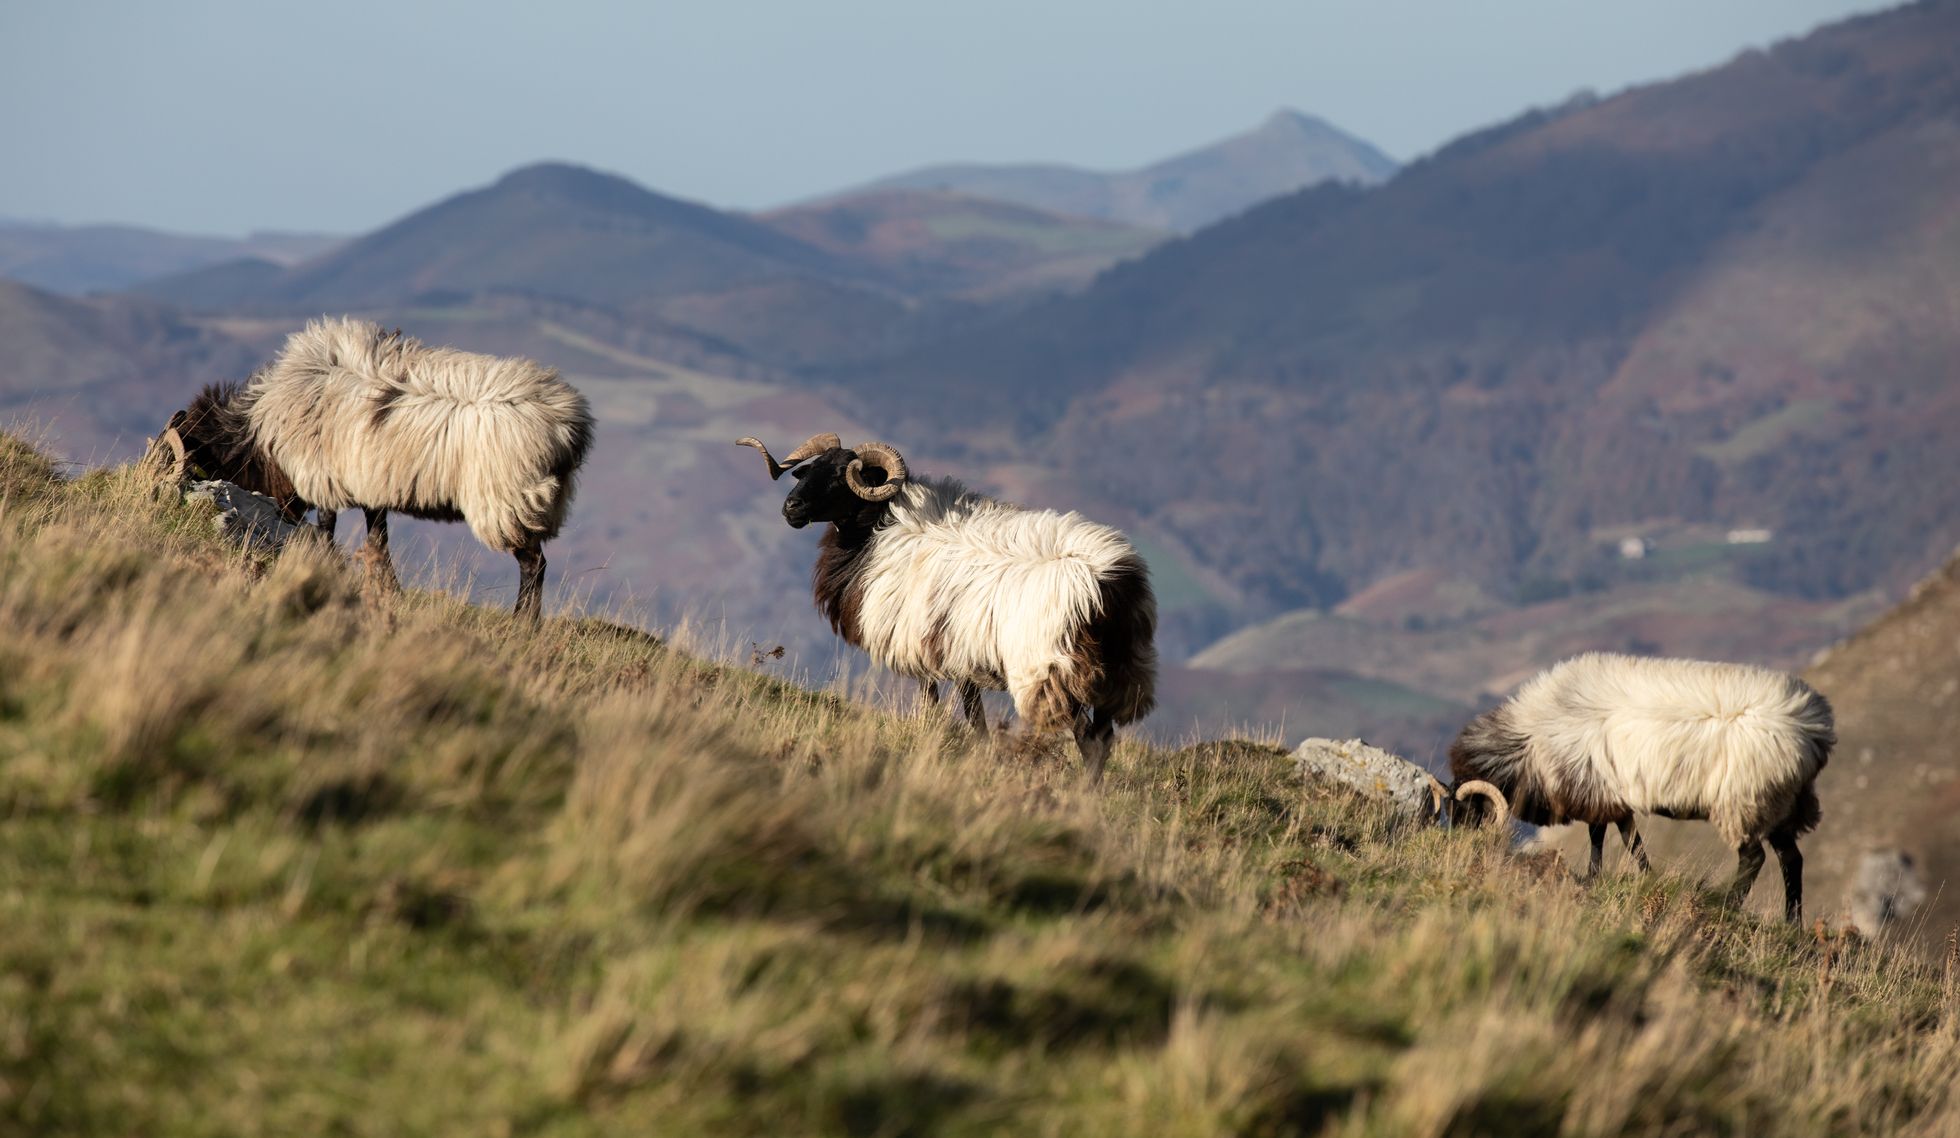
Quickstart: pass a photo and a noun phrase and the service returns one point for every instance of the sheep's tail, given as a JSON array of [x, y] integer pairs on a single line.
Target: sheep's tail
[[542, 501], [1126, 632], [1817, 729], [1817, 726], [1111, 664]]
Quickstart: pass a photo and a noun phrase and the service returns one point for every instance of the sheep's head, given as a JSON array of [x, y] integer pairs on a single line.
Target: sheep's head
[[835, 483], [218, 444], [1473, 802], [1489, 771]]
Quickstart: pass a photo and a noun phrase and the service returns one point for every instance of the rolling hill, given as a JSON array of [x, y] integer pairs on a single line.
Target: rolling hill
[[1288, 151], [79, 259], [551, 229], [92, 377], [939, 243]]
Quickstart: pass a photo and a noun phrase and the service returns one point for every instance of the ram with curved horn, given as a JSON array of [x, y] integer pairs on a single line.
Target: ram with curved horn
[[1442, 799], [942, 584], [1602, 737]]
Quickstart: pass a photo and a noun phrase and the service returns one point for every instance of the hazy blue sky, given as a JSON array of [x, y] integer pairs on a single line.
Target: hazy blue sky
[[228, 115]]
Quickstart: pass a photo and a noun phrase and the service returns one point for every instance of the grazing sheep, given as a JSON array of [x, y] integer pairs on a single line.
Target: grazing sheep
[[351, 416], [939, 583], [1601, 737]]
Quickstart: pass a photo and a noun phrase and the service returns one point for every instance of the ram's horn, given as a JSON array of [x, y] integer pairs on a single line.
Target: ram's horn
[[1480, 788], [811, 448], [882, 456], [1439, 795]]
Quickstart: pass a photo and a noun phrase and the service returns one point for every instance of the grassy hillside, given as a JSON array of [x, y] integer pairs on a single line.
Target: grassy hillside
[[279, 859]]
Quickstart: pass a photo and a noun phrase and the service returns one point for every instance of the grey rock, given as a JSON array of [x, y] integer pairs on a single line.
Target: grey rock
[[1370, 772], [1885, 891], [245, 518]]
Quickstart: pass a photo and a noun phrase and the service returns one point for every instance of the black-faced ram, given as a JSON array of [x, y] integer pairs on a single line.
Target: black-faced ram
[[939, 583]]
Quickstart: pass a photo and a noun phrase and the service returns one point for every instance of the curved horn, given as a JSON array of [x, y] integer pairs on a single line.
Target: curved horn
[[886, 458], [1480, 788], [1438, 795], [811, 448]]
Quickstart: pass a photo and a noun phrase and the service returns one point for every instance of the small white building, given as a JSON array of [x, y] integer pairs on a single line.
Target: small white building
[[1633, 548], [1750, 536]]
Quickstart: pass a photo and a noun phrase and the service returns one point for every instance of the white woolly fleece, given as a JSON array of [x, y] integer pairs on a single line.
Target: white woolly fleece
[[1728, 742], [960, 586], [357, 417]]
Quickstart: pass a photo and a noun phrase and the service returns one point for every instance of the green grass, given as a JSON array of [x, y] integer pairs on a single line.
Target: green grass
[[279, 856], [1760, 436]]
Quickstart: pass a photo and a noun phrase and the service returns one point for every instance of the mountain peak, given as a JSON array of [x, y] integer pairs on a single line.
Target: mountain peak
[[566, 179], [1286, 118]]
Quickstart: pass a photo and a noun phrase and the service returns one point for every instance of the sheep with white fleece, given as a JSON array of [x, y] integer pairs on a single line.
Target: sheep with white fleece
[[1602, 737]]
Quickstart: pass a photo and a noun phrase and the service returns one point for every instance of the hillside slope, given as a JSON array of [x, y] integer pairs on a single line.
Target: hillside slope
[[1184, 193], [939, 243], [551, 229], [97, 375], [1732, 299], [399, 865]]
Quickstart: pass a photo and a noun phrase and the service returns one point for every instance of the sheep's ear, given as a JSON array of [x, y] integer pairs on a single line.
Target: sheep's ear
[[177, 421]]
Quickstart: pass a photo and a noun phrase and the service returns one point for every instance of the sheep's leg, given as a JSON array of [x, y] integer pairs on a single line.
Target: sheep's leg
[[1635, 844], [976, 712], [1596, 833], [929, 691], [1748, 863], [1784, 842], [1092, 738], [530, 580], [323, 520], [374, 551]]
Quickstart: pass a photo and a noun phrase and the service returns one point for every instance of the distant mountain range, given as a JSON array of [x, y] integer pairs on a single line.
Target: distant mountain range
[[1288, 152], [79, 259], [1730, 300]]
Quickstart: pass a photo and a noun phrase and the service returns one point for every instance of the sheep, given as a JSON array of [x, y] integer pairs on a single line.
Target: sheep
[[938, 583], [348, 415], [1602, 737]]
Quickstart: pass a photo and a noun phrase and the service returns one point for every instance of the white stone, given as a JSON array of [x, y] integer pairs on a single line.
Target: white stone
[[244, 518], [1370, 772]]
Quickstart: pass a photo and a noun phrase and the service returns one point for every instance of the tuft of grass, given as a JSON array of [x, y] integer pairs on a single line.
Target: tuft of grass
[[281, 855]]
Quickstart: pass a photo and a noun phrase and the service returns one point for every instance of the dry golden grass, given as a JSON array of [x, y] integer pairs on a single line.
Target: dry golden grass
[[278, 857]]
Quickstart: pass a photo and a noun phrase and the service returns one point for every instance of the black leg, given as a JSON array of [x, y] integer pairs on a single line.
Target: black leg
[[929, 691], [323, 520], [1791, 859], [976, 711], [1748, 863], [1635, 844], [530, 581], [1596, 833], [374, 549], [1092, 737]]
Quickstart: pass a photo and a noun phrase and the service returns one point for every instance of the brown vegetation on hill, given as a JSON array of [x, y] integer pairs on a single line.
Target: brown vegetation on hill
[[1727, 299]]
